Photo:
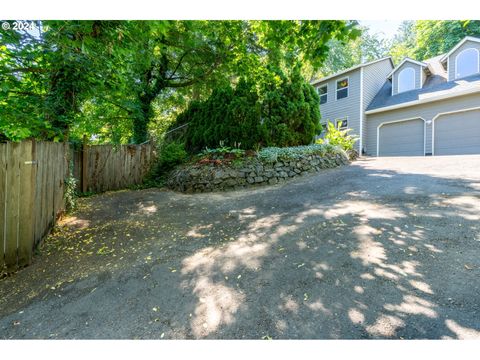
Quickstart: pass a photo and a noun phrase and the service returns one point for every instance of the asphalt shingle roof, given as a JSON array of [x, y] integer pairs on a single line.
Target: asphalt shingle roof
[[435, 85]]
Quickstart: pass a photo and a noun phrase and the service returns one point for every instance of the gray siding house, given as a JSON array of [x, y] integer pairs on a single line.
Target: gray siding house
[[414, 109], [345, 96]]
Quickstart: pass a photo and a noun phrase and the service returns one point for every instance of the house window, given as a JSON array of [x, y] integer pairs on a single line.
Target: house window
[[466, 63], [322, 92], [342, 123], [342, 88], [406, 79]]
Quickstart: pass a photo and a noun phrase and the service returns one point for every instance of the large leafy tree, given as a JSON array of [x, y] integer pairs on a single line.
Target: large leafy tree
[[48, 75], [403, 44], [22, 85], [115, 79], [423, 39], [345, 54]]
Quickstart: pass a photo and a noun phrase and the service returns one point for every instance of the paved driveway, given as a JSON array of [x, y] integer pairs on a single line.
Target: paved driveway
[[384, 248]]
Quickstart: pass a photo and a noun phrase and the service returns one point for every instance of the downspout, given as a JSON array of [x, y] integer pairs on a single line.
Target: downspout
[[361, 113]]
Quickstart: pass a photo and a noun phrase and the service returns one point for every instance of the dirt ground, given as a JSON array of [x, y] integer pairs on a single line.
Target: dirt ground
[[383, 248]]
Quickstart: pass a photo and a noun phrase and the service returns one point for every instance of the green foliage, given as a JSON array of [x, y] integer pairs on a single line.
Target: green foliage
[[221, 152], [284, 112], [273, 154], [70, 194], [345, 54], [171, 155], [290, 111], [424, 39], [337, 137], [437, 37], [119, 80], [403, 44]]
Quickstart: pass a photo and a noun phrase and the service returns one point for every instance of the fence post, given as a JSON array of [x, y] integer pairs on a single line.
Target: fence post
[[84, 164]]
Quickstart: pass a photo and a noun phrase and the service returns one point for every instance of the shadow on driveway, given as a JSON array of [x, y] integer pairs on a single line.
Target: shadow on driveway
[[370, 250]]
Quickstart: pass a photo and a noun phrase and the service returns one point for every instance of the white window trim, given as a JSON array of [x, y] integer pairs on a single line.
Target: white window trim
[[414, 79], [456, 60], [347, 87], [326, 94], [341, 119], [396, 121], [446, 113]]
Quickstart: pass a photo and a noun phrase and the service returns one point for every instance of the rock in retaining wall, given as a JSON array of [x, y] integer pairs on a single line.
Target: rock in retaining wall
[[206, 178]]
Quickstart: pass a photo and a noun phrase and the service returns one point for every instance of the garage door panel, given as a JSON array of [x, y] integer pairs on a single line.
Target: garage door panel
[[457, 134], [405, 138]]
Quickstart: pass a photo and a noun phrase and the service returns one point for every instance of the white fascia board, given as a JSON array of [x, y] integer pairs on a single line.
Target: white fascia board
[[403, 62]]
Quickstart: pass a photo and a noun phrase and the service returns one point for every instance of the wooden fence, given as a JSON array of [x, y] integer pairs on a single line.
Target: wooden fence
[[32, 176], [100, 168]]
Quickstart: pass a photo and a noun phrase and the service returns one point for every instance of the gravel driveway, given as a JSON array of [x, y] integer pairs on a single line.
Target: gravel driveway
[[383, 248]]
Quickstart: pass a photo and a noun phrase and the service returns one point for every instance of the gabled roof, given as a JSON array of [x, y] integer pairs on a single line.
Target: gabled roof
[[465, 39], [403, 62], [314, 82]]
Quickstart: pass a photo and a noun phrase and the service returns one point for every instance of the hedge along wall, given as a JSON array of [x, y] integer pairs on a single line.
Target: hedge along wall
[[254, 171]]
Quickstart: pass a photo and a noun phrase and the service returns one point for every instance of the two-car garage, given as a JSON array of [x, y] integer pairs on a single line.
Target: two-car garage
[[449, 133]]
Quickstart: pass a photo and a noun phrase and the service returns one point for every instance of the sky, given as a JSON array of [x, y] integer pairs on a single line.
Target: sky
[[387, 28]]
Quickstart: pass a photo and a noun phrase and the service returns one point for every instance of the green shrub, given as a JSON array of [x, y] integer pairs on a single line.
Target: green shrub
[[290, 110], [279, 110], [221, 152], [171, 155], [70, 194], [273, 154], [338, 137]]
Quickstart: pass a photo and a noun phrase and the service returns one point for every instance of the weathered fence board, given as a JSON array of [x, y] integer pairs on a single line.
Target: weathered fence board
[[109, 167], [3, 173], [12, 194], [39, 195], [32, 187], [27, 167], [31, 197]]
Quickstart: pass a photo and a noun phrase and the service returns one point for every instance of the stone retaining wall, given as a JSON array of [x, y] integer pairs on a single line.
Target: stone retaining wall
[[206, 178]]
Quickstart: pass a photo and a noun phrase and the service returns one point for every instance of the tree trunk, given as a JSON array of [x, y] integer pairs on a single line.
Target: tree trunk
[[141, 120]]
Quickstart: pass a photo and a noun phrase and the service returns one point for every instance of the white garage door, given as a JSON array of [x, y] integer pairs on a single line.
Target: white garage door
[[457, 134], [403, 138]]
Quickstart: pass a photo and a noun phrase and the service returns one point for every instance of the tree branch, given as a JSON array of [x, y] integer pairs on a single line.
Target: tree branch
[[129, 111]]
